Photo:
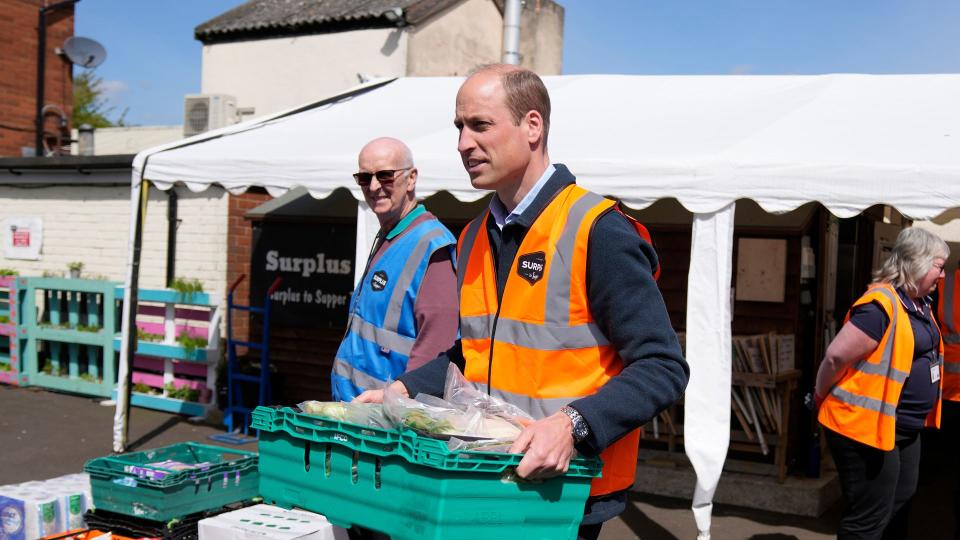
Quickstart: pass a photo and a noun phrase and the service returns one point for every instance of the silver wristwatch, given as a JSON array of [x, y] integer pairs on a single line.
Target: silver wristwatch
[[580, 429]]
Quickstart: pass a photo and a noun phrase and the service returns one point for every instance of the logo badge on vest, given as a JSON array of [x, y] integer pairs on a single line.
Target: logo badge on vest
[[530, 266], [378, 281]]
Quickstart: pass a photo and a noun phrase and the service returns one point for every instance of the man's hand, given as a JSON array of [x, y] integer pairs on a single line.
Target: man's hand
[[376, 396], [547, 445]]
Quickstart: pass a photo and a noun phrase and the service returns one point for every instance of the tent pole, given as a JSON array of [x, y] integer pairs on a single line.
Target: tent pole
[[367, 228], [707, 403], [128, 341]]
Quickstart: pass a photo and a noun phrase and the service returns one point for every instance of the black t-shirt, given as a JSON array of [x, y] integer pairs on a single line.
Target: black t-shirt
[[919, 394]]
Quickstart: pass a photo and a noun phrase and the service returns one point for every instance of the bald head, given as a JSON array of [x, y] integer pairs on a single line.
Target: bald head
[[395, 148], [388, 179]]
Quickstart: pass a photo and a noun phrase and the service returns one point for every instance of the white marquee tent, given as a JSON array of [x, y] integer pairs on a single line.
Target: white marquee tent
[[846, 141]]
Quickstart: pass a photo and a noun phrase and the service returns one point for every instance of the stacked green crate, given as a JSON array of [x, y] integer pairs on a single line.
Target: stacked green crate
[[173, 481], [411, 487]]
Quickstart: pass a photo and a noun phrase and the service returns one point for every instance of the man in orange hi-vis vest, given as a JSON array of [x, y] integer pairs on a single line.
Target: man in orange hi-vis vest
[[560, 313], [948, 314]]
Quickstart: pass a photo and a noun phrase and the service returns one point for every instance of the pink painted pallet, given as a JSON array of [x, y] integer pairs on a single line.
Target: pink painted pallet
[[166, 372], [10, 357]]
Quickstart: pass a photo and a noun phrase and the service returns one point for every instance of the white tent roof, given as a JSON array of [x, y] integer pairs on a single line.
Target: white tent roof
[[847, 141]]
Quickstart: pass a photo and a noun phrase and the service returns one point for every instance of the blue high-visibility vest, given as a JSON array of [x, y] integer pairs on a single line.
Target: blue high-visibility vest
[[382, 329]]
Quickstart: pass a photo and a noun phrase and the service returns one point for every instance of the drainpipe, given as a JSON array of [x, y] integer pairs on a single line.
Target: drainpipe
[[41, 68], [511, 32], [172, 223]]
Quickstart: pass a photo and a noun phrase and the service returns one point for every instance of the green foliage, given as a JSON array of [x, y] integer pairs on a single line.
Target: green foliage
[[4, 319], [87, 328], [75, 266], [143, 335], [58, 326], [8, 272], [183, 392], [187, 286], [89, 378], [51, 273], [141, 388], [90, 105], [5, 367], [48, 369], [189, 343]]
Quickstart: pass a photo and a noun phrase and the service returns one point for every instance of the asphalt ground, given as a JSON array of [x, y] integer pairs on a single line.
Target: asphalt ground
[[46, 434]]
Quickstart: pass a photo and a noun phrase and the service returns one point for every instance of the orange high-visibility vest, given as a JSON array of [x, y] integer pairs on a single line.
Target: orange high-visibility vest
[[863, 405], [948, 311], [539, 348]]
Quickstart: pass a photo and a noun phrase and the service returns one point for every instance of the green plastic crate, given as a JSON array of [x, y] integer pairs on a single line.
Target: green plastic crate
[[411, 487], [129, 484]]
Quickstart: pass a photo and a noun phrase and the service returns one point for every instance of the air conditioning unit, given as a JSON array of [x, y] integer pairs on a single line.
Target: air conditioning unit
[[203, 112]]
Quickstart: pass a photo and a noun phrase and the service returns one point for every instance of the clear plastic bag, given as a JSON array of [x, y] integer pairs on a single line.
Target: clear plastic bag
[[363, 414], [465, 415], [429, 415], [463, 393]]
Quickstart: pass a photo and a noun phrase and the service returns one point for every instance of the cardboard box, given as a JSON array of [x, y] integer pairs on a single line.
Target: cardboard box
[[265, 521]]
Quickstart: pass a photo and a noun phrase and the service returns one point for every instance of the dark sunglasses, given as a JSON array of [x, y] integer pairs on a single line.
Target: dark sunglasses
[[385, 177]]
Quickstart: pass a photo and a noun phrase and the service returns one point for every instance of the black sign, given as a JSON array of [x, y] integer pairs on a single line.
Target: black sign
[[530, 266], [378, 281], [316, 263]]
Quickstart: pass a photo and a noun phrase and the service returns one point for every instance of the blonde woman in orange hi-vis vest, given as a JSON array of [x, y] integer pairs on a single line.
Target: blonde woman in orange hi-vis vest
[[880, 384], [948, 311]]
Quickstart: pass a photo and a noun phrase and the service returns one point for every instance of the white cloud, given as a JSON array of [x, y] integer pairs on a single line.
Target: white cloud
[[112, 88]]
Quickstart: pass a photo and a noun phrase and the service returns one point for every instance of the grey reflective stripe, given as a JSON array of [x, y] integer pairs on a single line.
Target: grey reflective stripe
[[557, 308], [533, 336], [949, 282], [359, 378], [384, 338], [476, 327], [951, 339], [952, 368], [864, 402], [392, 319], [466, 247], [885, 366], [537, 407], [548, 337]]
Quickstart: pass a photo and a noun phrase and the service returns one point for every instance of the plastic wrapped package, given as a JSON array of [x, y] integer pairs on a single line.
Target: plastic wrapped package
[[363, 414]]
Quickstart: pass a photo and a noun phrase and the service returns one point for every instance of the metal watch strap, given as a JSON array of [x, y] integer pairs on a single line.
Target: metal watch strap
[[579, 429]]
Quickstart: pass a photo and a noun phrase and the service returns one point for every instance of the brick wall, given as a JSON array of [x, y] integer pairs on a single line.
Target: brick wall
[[18, 71], [91, 224], [239, 251]]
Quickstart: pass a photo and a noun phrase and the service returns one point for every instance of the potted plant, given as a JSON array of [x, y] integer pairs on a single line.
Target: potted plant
[[75, 267]]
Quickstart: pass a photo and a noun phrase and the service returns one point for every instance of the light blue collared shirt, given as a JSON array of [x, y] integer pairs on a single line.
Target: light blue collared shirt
[[499, 211]]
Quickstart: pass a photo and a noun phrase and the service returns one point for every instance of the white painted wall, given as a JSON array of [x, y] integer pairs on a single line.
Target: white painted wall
[[275, 74], [456, 41], [91, 224], [128, 139]]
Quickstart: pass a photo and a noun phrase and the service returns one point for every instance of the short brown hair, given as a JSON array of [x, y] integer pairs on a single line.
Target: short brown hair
[[525, 92]]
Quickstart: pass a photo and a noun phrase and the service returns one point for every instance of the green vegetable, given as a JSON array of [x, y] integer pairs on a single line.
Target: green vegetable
[[422, 421]]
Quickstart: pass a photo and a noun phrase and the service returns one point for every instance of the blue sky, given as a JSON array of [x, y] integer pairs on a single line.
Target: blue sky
[[153, 59]]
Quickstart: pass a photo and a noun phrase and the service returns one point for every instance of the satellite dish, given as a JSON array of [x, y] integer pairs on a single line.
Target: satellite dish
[[84, 52]]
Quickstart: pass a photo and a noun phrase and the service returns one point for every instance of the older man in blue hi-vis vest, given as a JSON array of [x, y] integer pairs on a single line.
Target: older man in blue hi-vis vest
[[403, 312]]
